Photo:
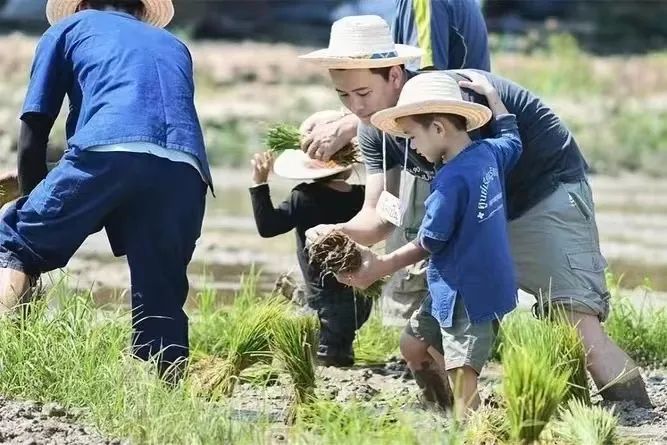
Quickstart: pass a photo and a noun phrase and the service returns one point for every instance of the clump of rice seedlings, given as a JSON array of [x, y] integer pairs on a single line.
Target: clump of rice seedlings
[[556, 340], [336, 253], [260, 375], [487, 426], [249, 344], [532, 390], [591, 425], [293, 341], [642, 332], [287, 137], [376, 343]]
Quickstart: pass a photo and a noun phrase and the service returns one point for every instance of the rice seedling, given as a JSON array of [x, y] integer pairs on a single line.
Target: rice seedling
[[336, 253], [287, 137], [375, 342], [249, 344], [591, 425], [640, 331], [532, 390], [553, 338], [293, 341], [487, 426], [543, 362]]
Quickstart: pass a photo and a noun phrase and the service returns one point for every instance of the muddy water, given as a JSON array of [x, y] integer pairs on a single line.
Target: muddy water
[[632, 217]]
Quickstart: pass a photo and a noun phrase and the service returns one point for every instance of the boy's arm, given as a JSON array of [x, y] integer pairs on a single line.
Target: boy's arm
[[444, 211], [506, 142]]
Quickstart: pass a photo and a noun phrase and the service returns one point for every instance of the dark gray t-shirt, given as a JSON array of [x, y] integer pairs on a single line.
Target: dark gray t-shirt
[[550, 153]]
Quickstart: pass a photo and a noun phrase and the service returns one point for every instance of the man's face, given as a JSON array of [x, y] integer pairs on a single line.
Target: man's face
[[365, 93]]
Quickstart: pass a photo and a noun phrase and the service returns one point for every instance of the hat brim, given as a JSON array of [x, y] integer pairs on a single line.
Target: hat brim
[[157, 12], [295, 164], [476, 115], [323, 58]]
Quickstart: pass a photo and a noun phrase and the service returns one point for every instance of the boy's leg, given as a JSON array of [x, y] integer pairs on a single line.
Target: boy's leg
[[421, 346], [158, 229], [41, 232], [467, 348], [557, 255]]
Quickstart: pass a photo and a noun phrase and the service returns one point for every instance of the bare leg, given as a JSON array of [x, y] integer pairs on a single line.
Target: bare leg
[[466, 397], [611, 368], [430, 377], [14, 290]]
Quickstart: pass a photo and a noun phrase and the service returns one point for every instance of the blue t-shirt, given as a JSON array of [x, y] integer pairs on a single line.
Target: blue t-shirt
[[452, 33], [126, 81], [465, 229]]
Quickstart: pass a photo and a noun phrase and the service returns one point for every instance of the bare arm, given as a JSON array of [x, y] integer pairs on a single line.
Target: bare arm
[[366, 227]]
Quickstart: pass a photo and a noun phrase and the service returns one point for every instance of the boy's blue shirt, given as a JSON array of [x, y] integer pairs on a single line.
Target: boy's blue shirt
[[465, 229]]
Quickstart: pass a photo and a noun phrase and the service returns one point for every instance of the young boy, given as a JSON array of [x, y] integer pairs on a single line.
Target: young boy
[[470, 273], [329, 199]]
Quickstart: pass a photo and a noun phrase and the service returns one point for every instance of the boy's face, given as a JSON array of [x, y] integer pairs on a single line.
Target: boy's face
[[365, 93], [429, 141]]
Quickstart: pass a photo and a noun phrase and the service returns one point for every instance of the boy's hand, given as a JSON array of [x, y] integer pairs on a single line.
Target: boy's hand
[[478, 83], [262, 163]]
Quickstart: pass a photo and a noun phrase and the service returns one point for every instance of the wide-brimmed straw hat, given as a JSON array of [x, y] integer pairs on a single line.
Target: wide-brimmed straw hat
[[434, 92], [156, 12], [295, 164], [362, 41]]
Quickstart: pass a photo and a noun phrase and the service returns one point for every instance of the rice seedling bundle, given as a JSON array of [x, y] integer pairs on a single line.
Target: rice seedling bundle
[[248, 345], [543, 362], [293, 342], [591, 425], [336, 253], [287, 137]]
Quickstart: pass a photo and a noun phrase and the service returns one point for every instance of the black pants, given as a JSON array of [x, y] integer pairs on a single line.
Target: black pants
[[340, 314]]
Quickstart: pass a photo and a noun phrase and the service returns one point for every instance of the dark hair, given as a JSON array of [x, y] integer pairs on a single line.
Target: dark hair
[[134, 7], [459, 122], [384, 71]]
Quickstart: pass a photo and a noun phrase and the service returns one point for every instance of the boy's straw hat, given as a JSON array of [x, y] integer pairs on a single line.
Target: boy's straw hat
[[157, 12], [295, 164], [433, 92], [362, 41]]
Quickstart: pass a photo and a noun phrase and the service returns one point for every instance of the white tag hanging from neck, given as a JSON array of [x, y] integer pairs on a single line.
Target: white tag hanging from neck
[[389, 207]]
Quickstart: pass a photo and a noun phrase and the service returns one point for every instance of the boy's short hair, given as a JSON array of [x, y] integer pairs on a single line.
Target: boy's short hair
[[459, 122], [130, 6]]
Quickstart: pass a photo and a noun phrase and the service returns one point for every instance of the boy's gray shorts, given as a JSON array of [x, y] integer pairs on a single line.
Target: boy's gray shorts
[[462, 344], [556, 251]]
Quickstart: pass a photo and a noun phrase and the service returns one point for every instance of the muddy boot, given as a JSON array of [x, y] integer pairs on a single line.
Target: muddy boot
[[335, 356], [435, 386], [9, 188], [16, 289], [631, 390]]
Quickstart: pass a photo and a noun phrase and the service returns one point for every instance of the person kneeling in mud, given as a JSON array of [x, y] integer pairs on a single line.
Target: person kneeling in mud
[[470, 273], [328, 199]]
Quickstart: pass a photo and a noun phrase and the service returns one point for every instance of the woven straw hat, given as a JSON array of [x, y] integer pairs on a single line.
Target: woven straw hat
[[295, 164], [157, 12], [362, 41], [434, 92]]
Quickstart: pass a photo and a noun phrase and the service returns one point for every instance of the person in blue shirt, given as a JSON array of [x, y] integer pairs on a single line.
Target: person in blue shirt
[[452, 33], [464, 231], [135, 162]]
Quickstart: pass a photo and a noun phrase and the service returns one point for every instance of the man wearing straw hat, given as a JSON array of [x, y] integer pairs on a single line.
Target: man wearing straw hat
[[135, 163], [549, 202]]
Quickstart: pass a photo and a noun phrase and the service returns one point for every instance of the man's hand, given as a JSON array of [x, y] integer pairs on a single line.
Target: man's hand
[[262, 163], [315, 232], [372, 269], [319, 118], [478, 83], [324, 140]]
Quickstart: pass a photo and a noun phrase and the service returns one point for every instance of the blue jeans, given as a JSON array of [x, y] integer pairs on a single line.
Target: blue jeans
[[152, 210]]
